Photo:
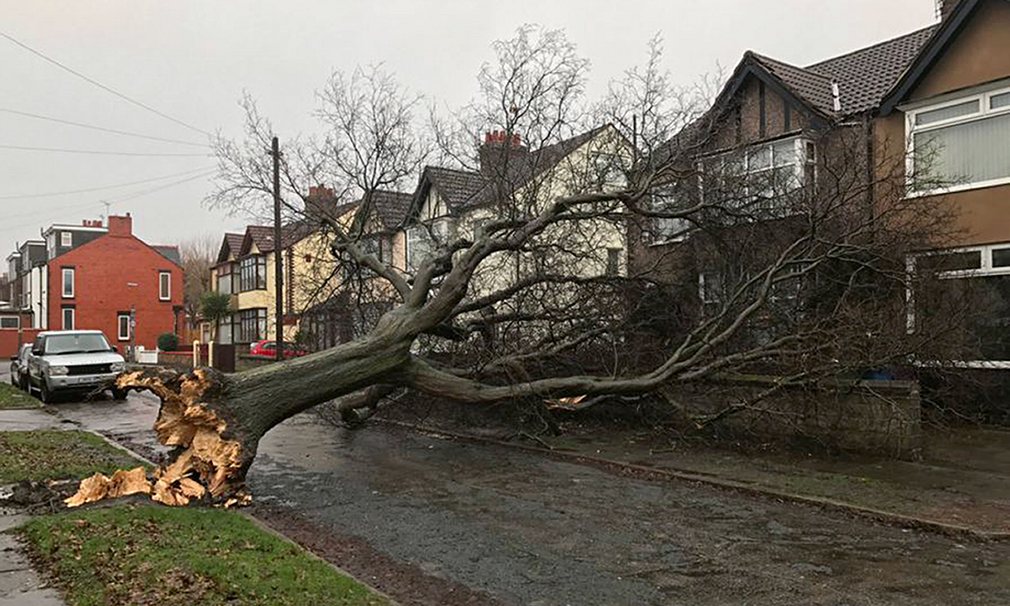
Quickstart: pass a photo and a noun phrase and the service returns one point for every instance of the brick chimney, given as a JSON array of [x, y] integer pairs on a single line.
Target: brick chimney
[[320, 202], [946, 7], [121, 226], [501, 149]]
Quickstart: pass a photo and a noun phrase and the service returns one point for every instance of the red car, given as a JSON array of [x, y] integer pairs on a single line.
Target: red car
[[268, 349]]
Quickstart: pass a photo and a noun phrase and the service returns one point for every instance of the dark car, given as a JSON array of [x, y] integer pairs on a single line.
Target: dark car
[[268, 349], [19, 367]]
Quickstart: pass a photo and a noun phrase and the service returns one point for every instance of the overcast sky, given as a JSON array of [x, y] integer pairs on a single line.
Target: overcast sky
[[191, 59]]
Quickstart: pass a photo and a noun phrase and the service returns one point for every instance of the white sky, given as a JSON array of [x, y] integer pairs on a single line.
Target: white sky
[[192, 59]]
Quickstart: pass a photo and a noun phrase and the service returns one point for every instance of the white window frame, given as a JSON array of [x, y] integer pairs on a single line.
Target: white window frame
[[984, 112], [63, 282], [985, 269], [119, 327], [66, 239], [73, 318], [803, 148], [164, 280]]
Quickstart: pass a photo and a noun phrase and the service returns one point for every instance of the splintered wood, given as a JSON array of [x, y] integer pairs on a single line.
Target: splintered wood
[[204, 462], [100, 486]]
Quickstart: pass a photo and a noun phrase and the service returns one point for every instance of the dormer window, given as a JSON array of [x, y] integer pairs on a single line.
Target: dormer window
[[66, 239]]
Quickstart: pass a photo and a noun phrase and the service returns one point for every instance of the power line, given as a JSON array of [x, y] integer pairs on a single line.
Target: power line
[[101, 128], [166, 186], [98, 152], [100, 85], [52, 211], [103, 187]]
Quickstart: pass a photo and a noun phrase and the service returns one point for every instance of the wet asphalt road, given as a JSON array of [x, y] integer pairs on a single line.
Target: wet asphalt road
[[529, 530]]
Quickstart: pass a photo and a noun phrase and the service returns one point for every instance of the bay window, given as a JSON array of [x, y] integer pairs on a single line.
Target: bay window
[[253, 273], [960, 143], [757, 177]]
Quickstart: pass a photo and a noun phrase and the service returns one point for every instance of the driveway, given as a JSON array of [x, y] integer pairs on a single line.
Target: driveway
[[529, 530]]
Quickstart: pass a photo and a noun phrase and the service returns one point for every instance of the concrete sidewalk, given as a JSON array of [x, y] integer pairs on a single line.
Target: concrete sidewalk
[[962, 480], [20, 585], [30, 419]]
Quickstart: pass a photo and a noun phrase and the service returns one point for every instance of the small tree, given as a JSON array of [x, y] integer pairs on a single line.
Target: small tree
[[214, 307], [168, 342]]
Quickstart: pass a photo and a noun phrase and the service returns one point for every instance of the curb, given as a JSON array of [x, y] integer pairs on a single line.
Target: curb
[[270, 530], [653, 473]]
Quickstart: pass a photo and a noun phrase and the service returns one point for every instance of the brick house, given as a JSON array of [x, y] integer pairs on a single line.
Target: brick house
[[100, 283], [947, 84]]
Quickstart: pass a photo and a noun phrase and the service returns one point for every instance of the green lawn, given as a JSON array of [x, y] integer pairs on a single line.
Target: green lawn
[[12, 397], [57, 455], [175, 556]]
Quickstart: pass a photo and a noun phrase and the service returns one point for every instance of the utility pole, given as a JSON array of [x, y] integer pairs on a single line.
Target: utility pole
[[278, 246]]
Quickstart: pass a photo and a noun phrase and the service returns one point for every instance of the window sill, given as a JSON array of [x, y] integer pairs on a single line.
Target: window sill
[[953, 189], [657, 243]]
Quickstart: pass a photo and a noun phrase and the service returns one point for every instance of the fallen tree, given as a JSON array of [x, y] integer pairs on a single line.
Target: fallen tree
[[815, 286]]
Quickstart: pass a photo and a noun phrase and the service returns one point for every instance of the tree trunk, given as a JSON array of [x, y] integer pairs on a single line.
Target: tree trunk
[[215, 421]]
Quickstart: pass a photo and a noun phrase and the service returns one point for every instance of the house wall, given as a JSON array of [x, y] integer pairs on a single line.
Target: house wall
[[747, 129], [111, 274], [979, 54]]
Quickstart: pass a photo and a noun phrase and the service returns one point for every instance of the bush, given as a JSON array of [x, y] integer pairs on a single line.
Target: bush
[[168, 342]]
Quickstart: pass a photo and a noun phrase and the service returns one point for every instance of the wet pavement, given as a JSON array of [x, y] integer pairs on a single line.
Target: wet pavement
[[530, 530]]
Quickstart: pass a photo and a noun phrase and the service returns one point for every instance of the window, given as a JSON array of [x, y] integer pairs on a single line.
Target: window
[[422, 239], [757, 177], [68, 282], [965, 262], [226, 276], [960, 144], [253, 273], [614, 261], [66, 239], [123, 324], [164, 285], [252, 325], [68, 318], [710, 287], [669, 199], [10, 322]]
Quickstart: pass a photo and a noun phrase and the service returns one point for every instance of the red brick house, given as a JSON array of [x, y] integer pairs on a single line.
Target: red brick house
[[99, 284]]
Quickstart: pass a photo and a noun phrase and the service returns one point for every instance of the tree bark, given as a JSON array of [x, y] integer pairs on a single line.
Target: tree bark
[[215, 421]]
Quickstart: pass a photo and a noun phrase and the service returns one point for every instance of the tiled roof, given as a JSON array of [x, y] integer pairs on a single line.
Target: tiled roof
[[459, 188], [864, 76], [169, 252], [811, 86], [391, 208], [234, 242]]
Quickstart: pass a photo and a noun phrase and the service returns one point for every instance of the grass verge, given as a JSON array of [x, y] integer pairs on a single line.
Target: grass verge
[[174, 556], [13, 398], [57, 455]]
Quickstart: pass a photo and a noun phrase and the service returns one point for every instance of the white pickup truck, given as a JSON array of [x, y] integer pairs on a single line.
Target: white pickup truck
[[73, 361]]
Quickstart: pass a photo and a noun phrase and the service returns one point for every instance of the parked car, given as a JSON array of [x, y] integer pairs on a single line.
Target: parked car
[[19, 366], [73, 361], [268, 349]]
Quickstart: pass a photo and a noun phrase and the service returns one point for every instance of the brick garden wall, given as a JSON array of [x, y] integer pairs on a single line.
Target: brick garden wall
[[879, 417]]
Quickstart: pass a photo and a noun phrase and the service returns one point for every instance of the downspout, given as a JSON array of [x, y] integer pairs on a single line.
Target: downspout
[[868, 133]]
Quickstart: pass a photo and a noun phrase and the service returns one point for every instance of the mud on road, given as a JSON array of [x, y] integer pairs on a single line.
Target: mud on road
[[517, 528]]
